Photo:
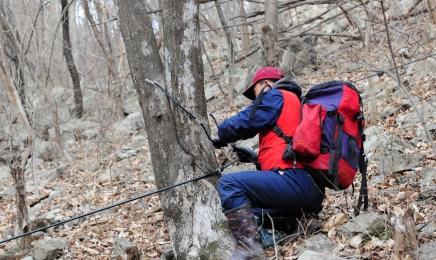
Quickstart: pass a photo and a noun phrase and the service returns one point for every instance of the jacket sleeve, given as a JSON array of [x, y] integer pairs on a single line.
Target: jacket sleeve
[[241, 126]]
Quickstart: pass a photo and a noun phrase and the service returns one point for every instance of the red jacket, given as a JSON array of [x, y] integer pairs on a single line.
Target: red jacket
[[271, 146]]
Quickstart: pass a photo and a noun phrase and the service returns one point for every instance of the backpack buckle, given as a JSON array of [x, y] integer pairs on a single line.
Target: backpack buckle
[[288, 153], [365, 158], [359, 117], [341, 119], [275, 128]]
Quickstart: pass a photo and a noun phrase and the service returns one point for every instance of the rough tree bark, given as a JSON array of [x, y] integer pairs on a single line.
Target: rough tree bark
[[67, 47], [179, 147], [109, 58], [17, 172], [270, 31]]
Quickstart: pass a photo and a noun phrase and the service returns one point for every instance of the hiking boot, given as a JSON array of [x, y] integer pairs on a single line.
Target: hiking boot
[[244, 228], [268, 240]]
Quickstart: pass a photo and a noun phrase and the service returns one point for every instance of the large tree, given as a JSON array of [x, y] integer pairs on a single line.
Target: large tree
[[179, 148]]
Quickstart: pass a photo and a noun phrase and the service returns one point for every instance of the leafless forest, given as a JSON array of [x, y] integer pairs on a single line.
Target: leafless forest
[[74, 134]]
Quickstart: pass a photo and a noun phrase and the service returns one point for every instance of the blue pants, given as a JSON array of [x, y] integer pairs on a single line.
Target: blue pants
[[292, 193]]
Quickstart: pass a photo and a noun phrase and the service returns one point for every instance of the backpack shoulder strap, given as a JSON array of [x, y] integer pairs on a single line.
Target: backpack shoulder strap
[[334, 170], [256, 103], [276, 129]]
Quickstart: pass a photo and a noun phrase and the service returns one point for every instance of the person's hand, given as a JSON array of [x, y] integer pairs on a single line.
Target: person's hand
[[217, 143], [245, 154]]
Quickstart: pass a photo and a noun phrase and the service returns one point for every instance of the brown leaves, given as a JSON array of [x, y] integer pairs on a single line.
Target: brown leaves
[[140, 221], [334, 222]]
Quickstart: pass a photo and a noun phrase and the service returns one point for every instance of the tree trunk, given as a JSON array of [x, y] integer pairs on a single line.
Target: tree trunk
[[230, 53], [17, 172], [212, 69], [122, 58], [431, 6], [14, 54], [245, 35], [67, 47], [160, 31], [368, 60], [109, 58], [105, 17], [19, 77], [179, 148], [270, 31]]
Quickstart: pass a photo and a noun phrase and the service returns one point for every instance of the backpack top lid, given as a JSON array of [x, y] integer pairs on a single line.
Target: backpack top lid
[[331, 84]]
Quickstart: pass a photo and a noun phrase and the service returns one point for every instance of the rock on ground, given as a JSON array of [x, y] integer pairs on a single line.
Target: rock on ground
[[49, 249]]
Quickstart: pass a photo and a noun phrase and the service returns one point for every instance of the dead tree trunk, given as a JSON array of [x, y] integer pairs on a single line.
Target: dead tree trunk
[[270, 31], [179, 147], [67, 47]]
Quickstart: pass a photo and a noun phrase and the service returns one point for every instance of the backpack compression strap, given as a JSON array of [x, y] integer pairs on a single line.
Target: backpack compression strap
[[363, 194], [363, 165], [333, 169]]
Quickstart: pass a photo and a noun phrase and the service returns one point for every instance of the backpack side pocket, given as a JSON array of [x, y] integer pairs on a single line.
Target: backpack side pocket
[[307, 137]]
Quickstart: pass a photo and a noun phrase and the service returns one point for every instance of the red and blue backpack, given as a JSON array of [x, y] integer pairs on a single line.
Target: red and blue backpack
[[329, 139]]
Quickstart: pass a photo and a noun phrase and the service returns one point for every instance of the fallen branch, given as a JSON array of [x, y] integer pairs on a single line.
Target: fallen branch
[[353, 37]]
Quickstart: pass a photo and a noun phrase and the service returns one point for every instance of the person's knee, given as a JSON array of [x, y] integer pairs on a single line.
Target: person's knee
[[231, 193], [224, 182]]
